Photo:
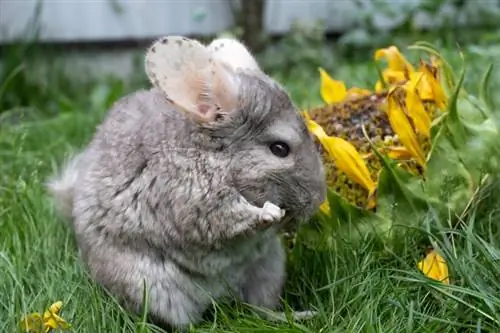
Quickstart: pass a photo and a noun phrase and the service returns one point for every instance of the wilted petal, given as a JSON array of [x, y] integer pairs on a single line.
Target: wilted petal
[[396, 61], [56, 322], [355, 92], [32, 323], [392, 76], [435, 267], [345, 155], [422, 85], [438, 94], [416, 108], [397, 153], [379, 86], [55, 308], [332, 91], [371, 199], [401, 125], [52, 320], [325, 207]]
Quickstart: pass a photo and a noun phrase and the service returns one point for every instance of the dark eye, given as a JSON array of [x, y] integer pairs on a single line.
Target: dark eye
[[279, 149]]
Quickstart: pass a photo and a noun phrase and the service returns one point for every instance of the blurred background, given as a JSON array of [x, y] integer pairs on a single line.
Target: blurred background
[[59, 56]]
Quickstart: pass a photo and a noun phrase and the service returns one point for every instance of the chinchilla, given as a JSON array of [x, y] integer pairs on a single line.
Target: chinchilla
[[185, 186]]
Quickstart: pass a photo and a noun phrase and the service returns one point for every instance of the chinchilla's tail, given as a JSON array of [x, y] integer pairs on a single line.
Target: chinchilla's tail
[[61, 186]]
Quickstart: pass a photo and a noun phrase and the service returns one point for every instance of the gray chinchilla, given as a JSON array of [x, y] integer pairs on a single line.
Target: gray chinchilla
[[185, 186]]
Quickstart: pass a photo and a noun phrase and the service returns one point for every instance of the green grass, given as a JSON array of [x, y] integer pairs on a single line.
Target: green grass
[[366, 288]]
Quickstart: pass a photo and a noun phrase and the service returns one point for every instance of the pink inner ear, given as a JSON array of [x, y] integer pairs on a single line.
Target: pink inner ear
[[204, 109]]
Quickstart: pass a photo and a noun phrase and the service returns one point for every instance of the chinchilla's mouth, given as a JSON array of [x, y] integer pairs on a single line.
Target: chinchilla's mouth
[[291, 223]]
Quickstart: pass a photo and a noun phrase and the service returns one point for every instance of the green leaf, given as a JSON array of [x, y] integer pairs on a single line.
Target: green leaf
[[404, 187], [342, 210], [397, 204], [472, 110], [399, 192], [484, 91], [401, 199], [453, 122], [483, 147], [346, 221], [448, 182]]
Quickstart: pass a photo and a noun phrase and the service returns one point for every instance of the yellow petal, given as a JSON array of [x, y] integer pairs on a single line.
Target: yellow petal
[[345, 155], [371, 199], [422, 85], [355, 92], [56, 322], [332, 91], [52, 320], [56, 307], [32, 323], [434, 267], [396, 61], [439, 96], [416, 108], [325, 207], [401, 125], [392, 77], [397, 153]]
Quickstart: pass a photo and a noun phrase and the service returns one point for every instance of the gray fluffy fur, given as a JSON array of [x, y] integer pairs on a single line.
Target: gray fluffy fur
[[191, 208]]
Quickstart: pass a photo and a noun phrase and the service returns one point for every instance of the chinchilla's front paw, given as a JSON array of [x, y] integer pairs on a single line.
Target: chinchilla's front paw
[[271, 213]]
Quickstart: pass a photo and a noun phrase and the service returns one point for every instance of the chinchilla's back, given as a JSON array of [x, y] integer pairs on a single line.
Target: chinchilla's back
[[138, 116]]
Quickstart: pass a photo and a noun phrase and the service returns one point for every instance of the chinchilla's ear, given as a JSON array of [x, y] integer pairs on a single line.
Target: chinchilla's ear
[[186, 72], [234, 53]]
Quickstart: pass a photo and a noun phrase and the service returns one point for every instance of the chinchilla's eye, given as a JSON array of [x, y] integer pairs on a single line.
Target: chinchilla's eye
[[279, 149]]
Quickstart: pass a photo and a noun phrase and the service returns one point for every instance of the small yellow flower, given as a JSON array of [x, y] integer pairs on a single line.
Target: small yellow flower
[[35, 323], [434, 267], [344, 154]]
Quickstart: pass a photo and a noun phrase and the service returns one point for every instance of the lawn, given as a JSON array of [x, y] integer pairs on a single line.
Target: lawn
[[355, 288]]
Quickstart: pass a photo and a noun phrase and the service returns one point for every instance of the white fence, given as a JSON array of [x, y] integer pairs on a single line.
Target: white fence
[[103, 20], [100, 20]]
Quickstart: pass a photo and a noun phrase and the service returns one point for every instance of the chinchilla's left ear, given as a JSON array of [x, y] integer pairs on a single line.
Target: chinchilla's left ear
[[192, 78]]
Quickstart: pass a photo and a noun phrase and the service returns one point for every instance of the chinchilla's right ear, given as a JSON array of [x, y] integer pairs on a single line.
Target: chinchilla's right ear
[[234, 53], [190, 77]]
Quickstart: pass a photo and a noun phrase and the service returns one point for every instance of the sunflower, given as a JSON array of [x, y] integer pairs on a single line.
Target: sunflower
[[396, 117]]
